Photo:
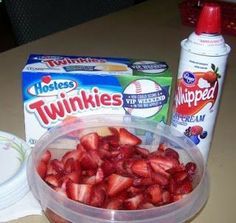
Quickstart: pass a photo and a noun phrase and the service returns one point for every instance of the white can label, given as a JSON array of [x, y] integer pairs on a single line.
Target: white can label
[[197, 95]]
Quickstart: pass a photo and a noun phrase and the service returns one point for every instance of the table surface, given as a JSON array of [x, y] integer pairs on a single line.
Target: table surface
[[148, 30]]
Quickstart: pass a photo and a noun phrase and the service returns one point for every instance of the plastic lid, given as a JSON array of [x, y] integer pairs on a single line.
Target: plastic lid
[[13, 158], [209, 21]]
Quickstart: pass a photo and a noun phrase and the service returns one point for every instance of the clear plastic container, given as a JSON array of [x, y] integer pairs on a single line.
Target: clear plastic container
[[61, 209]]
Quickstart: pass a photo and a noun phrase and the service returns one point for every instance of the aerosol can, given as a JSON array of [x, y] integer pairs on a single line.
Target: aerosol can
[[200, 79]]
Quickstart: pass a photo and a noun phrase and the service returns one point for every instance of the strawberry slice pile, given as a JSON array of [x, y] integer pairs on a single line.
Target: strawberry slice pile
[[115, 172]]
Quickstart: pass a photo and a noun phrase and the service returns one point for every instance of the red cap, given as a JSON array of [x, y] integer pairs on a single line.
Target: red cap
[[209, 20]]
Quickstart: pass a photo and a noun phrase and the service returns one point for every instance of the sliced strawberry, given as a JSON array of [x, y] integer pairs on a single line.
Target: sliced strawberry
[[118, 183], [114, 203], [52, 180], [70, 165], [108, 168], [89, 173], [90, 141], [120, 167], [46, 156], [162, 147], [98, 197], [99, 175], [166, 197], [134, 202], [154, 193], [60, 191], [126, 151], [91, 180], [158, 169], [172, 186], [147, 205], [184, 188], [157, 153], [115, 155], [191, 168], [160, 179], [176, 169], [104, 145], [50, 169], [78, 166], [57, 165], [177, 197], [87, 162], [171, 153], [128, 167], [102, 185], [141, 168], [95, 157], [73, 176], [122, 195], [114, 131], [75, 154], [42, 169], [142, 151], [147, 181], [79, 192], [64, 184], [133, 191], [104, 154], [80, 147], [113, 139], [180, 176], [165, 162], [62, 188], [127, 138]]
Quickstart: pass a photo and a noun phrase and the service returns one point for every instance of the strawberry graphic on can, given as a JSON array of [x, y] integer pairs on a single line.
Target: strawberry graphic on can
[[211, 76]]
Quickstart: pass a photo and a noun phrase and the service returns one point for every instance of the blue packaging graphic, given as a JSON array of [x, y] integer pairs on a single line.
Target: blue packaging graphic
[[59, 88]]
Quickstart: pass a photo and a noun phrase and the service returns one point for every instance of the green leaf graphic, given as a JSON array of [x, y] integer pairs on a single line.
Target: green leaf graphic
[[17, 147]]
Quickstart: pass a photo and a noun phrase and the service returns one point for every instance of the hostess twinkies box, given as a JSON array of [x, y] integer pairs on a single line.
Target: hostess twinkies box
[[60, 88]]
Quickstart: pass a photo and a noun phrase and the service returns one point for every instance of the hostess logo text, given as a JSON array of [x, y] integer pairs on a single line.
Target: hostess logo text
[[52, 88]]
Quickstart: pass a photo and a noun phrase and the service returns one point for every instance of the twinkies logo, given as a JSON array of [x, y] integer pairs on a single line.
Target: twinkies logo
[[188, 78], [61, 62], [49, 87], [64, 105]]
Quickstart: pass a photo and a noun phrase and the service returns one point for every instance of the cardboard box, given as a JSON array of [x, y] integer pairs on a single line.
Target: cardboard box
[[59, 88]]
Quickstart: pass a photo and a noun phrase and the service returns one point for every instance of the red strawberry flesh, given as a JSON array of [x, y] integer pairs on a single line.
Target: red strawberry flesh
[[79, 192], [42, 169], [46, 156], [127, 138], [134, 202], [115, 172], [90, 141], [141, 168], [118, 183], [155, 194]]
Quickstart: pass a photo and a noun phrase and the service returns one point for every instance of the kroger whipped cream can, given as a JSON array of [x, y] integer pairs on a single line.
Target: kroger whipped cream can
[[201, 74]]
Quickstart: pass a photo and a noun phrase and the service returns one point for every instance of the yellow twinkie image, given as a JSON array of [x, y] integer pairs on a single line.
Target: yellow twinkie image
[[111, 67]]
